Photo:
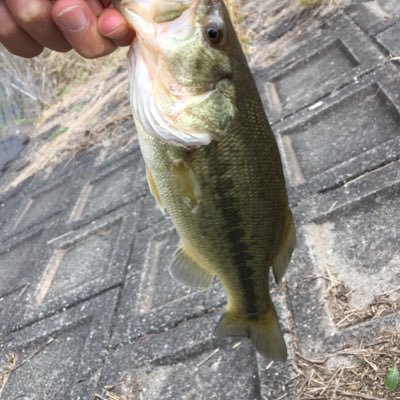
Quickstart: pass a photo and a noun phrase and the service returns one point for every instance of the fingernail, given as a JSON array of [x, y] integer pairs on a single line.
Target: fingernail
[[73, 19]]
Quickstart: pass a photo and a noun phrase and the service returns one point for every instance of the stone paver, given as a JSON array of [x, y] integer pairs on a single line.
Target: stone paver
[[315, 70], [87, 307], [318, 143]]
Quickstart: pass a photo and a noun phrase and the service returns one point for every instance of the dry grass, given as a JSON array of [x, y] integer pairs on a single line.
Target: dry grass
[[11, 363], [85, 117], [234, 8], [235, 11], [383, 304], [338, 295], [72, 94], [30, 85], [127, 389], [350, 373], [7, 368], [42, 77], [281, 23], [353, 372]]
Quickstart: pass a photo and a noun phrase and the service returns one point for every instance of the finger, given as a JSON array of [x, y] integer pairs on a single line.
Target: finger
[[14, 39], [34, 17], [114, 26], [96, 6], [79, 25]]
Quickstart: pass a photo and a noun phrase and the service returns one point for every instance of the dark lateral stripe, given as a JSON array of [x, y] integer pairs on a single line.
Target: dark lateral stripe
[[235, 234]]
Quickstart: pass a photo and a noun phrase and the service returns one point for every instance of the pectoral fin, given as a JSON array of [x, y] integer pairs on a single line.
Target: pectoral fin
[[187, 270], [285, 248], [187, 184], [153, 189]]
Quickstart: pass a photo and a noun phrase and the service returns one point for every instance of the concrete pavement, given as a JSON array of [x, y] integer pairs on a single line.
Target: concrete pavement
[[88, 309]]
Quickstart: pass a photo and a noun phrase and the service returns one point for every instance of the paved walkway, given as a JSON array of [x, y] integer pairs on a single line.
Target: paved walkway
[[88, 310]]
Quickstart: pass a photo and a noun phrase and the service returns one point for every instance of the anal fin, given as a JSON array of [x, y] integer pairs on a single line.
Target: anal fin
[[187, 270], [285, 247]]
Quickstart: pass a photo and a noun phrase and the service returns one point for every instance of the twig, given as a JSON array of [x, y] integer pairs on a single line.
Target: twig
[[373, 366], [311, 360], [338, 380], [35, 353], [97, 396], [269, 365], [329, 382], [298, 370], [340, 323], [359, 395], [113, 397], [207, 358], [291, 380], [21, 292], [23, 91], [11, 360], [58, 237], [307, 381], [110, 396], [278, 398]]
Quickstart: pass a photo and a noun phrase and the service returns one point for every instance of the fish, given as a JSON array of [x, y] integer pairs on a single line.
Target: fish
[[212, 162]]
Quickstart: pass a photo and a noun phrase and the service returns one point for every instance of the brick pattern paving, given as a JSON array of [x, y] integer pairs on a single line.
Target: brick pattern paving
[[86, 303]]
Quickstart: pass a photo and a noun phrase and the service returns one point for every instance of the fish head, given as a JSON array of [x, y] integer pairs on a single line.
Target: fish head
[[182, 87]]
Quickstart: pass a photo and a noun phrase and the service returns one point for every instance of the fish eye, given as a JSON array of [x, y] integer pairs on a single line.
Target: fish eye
[[214, 33]]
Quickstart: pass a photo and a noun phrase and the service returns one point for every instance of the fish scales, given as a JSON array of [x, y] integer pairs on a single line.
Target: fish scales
[[223, 188]]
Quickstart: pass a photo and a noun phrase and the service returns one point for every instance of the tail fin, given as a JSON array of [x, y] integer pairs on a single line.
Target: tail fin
[[264, 332]]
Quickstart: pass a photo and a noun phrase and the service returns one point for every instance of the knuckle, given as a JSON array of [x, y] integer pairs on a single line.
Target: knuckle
[[32, 13], [7, 33], [7, 27]]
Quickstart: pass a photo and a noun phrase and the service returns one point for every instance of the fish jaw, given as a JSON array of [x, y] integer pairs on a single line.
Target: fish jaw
[[153, 19], [156, 10], [164, 98]]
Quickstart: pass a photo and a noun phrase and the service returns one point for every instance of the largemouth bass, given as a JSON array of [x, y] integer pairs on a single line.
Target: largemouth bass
[[211, 159]]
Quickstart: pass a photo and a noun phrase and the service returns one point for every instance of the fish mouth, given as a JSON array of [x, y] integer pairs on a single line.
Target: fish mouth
[[143, 15], [161, 26]]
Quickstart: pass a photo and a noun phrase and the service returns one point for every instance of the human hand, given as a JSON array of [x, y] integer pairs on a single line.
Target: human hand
[[91, 27]]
